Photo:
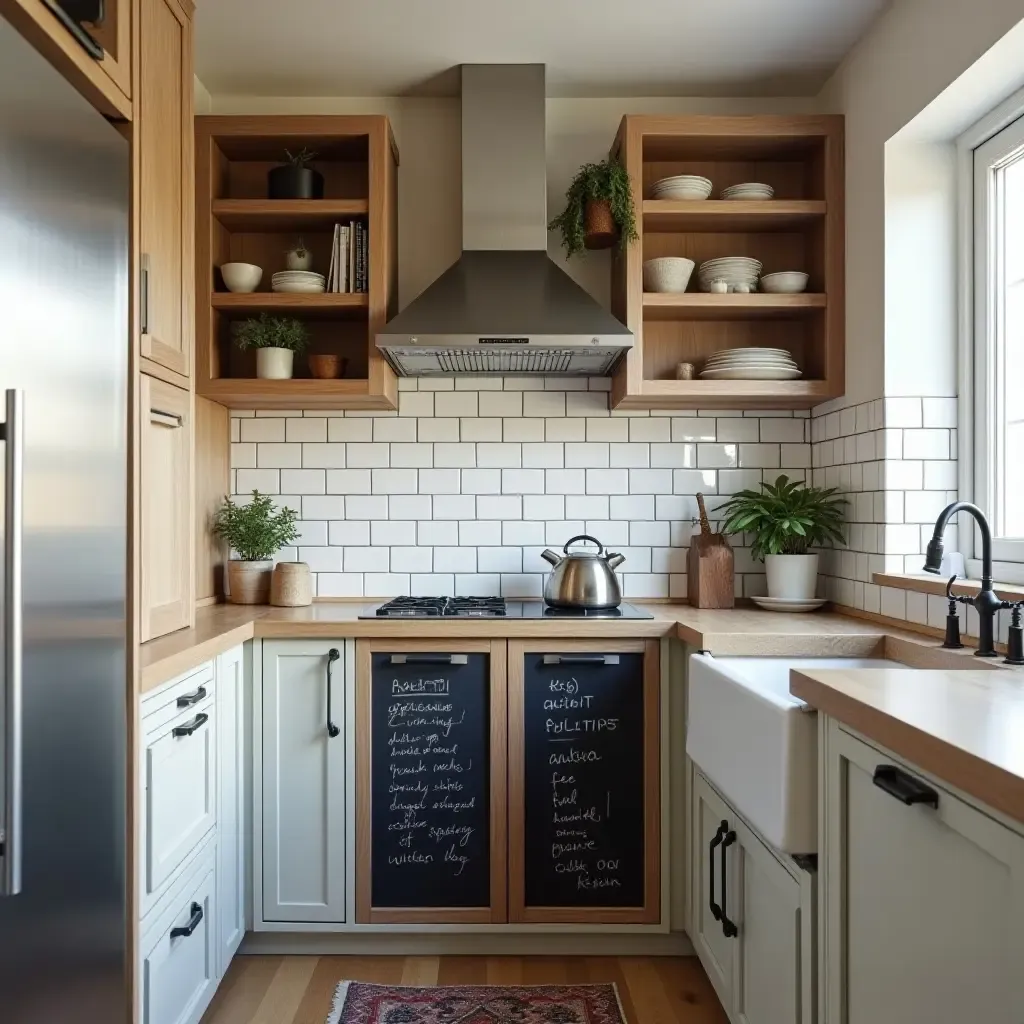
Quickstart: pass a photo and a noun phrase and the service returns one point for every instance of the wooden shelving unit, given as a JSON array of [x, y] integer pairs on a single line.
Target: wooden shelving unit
[[801, 228], [236, 222]]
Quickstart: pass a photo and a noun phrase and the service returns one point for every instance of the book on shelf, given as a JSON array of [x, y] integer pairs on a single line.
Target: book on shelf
[[349, 270]]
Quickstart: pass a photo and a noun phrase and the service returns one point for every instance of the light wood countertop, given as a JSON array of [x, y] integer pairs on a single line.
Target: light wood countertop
[[966, 727]]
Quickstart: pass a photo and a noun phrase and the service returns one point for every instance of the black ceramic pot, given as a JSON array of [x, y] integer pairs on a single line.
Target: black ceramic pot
[[292, 182]]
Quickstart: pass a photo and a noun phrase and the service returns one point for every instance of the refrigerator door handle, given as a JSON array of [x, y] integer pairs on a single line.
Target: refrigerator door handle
[[12, 434]]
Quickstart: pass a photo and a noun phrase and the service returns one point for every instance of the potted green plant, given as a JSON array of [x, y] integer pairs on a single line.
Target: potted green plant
[[276, 340], [296, 179], [598, 209], [255, 531], [787, 519]]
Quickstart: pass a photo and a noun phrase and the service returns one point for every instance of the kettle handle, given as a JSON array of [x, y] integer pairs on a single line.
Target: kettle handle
[[584, 536]]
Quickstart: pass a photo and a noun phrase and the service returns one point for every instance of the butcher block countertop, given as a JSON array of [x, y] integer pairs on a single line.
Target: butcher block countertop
[[966, 727]]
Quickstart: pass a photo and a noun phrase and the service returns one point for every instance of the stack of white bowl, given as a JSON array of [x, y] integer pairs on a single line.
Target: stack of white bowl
[[749, 190], [667, 274], [681, 186], [751, 364], [303, 281], [739, 273]]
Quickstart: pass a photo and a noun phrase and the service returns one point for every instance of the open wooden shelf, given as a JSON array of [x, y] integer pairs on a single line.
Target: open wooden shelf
[[800, 229], [321, 306], [728, 215], [705, 306], [236, 222], [286, 214]]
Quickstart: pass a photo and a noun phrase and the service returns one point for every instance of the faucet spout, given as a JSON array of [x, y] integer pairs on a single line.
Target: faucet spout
[[986, 603]]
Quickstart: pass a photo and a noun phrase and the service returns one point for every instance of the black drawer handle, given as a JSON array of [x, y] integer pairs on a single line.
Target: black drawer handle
[[902, 785], [729, 929], [429, 659], [188, 699], [332, 656], [581, 659], [716, 910], [193, 923], [190, 727]]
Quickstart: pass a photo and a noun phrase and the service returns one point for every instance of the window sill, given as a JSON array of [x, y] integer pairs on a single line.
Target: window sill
[[929, 584]]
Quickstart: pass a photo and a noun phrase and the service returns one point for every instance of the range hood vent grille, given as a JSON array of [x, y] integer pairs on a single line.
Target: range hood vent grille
[[496, 360]]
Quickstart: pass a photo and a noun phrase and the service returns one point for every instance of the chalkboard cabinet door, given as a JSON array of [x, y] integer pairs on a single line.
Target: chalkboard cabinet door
[[585, 827], [431, 790], [303, 780]]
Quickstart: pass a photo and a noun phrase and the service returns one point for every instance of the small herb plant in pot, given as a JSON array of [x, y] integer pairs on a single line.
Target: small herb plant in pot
[[276, 340], [787, 519], [255, 531], [296, 179], [598, 209]]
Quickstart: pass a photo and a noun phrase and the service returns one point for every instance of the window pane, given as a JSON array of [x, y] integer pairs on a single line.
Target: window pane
[[1009, 364]]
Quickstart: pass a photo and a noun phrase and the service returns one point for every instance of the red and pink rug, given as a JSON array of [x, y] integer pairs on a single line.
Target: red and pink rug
[[356, 1002]]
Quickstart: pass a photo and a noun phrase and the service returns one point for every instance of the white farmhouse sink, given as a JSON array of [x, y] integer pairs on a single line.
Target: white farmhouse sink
[[758, 744]]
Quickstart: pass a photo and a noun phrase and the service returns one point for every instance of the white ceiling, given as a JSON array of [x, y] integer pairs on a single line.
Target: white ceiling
[[591, 47]]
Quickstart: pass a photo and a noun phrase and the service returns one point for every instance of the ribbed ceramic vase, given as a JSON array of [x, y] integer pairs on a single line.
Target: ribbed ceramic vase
[[249, 582], [292, 585], [794, 577]]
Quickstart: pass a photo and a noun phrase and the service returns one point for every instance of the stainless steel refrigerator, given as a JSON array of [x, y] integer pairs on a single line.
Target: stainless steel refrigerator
[[64, 194]]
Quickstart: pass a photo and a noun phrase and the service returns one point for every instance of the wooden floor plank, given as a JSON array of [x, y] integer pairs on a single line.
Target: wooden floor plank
[[504, 970], [462, 970], [421, 970], [606, 970], [648, 995], [690, 990], [319, 997], [242, 989], [544, 970], [284, 995]]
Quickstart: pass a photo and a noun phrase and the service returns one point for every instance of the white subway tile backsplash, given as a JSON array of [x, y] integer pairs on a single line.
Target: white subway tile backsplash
[[607, 429], [650, 481], [412, 559], [310, 428], [409, 506], [395, 428], [454, 506], [544, 404], [522, 430], [477, 429], [393, 481], [717, 456], [437, 533], [521, 481], [454, 455], [499, 507], [923, 444], [345, 532], [543, 507], [366, 456], [608, 481], [261, 430], [278, 455], [565, 430], [499, 455], [429, 430], [500, 559], [435, 584], [349, 429], [584, 506], [418, 403], [390, 533], [565, 481], [543, 455], [477, 584], [648, 429], [441, 481], [386, 584], [303, 481], [522, 533], [787, 431], [412, 456], [675, 455], [586, 403]]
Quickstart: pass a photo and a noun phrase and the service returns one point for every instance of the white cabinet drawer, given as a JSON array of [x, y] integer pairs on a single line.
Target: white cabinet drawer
[[178, 970], [179, 801]]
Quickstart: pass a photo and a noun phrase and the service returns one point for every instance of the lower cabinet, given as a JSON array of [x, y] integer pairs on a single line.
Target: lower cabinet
[[301, 854], [751, 917], [924, 900]]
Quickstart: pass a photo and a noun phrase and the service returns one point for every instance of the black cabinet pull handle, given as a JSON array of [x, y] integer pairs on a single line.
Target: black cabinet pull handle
[[729, 929], [716, 910], [190, 727], [193, 923], [186, 700], [902, 785], [429, 659], [581, 659], [332, 656]]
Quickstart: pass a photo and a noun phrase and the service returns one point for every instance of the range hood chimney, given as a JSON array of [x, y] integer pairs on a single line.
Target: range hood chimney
[[504, 307]]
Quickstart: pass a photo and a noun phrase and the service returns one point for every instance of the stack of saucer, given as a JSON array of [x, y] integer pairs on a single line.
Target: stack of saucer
[[751, 364], [740, 273], [304, 281], [749, 190], [682, 186]]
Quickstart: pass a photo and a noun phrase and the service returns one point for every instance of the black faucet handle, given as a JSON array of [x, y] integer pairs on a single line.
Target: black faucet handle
[[955, 599], [952, 639]]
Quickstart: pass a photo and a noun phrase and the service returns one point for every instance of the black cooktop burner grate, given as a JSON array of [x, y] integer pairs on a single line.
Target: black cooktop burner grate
[[434, 607]]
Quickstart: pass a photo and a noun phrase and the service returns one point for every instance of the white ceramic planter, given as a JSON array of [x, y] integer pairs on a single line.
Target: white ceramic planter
[[293, 261], [794, 577], [274, 363], [249, 582]]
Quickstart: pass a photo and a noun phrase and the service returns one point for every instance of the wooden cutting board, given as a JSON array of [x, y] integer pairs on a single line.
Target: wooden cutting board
[[710, 571]]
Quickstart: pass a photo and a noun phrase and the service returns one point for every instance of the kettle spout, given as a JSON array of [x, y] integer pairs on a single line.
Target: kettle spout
[[614, 561], [551, 557]]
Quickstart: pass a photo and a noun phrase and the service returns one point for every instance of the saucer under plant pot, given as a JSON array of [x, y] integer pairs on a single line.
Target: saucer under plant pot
[[255, 532], [786, 520]]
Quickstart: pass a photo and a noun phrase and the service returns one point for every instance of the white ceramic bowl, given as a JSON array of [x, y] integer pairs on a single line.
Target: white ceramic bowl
[[785, 282], [667, 274], [241, 277], [682, 186]]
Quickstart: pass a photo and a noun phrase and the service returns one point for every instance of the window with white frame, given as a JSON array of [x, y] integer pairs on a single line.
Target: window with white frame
[[998, 338]]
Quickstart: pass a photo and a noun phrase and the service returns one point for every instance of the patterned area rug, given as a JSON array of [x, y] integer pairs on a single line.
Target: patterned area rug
[[356, 1002]]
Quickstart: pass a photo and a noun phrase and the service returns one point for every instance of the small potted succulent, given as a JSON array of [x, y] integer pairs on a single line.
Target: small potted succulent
[[296, 179], [255, 532], [786, 520], [298, 257], [598, 209], [276, 340]]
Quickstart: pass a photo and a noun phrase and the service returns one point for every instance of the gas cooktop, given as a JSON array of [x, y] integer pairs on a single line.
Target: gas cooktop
[[494, 608]]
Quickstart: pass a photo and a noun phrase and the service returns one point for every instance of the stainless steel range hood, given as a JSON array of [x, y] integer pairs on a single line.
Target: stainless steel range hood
[[504, 307]]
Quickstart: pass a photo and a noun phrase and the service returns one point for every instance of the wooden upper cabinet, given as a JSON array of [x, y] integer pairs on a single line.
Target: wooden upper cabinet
[[166, 196], [165, 489]]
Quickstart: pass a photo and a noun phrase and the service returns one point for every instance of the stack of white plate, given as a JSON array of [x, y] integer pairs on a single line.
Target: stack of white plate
[[751, 364], [681, 186], [740, 273], [304, 281], [749, 190]]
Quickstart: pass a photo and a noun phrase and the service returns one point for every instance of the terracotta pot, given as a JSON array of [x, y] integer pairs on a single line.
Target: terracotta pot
[[249, 582], [274, 363], [326, 366], [598, 225], [292, 585]]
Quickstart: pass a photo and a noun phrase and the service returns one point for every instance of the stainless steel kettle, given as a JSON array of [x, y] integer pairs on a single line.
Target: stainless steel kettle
[[582, 579]]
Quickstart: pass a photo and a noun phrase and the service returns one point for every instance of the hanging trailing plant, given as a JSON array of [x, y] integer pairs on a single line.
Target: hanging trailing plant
[[598, 209]]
